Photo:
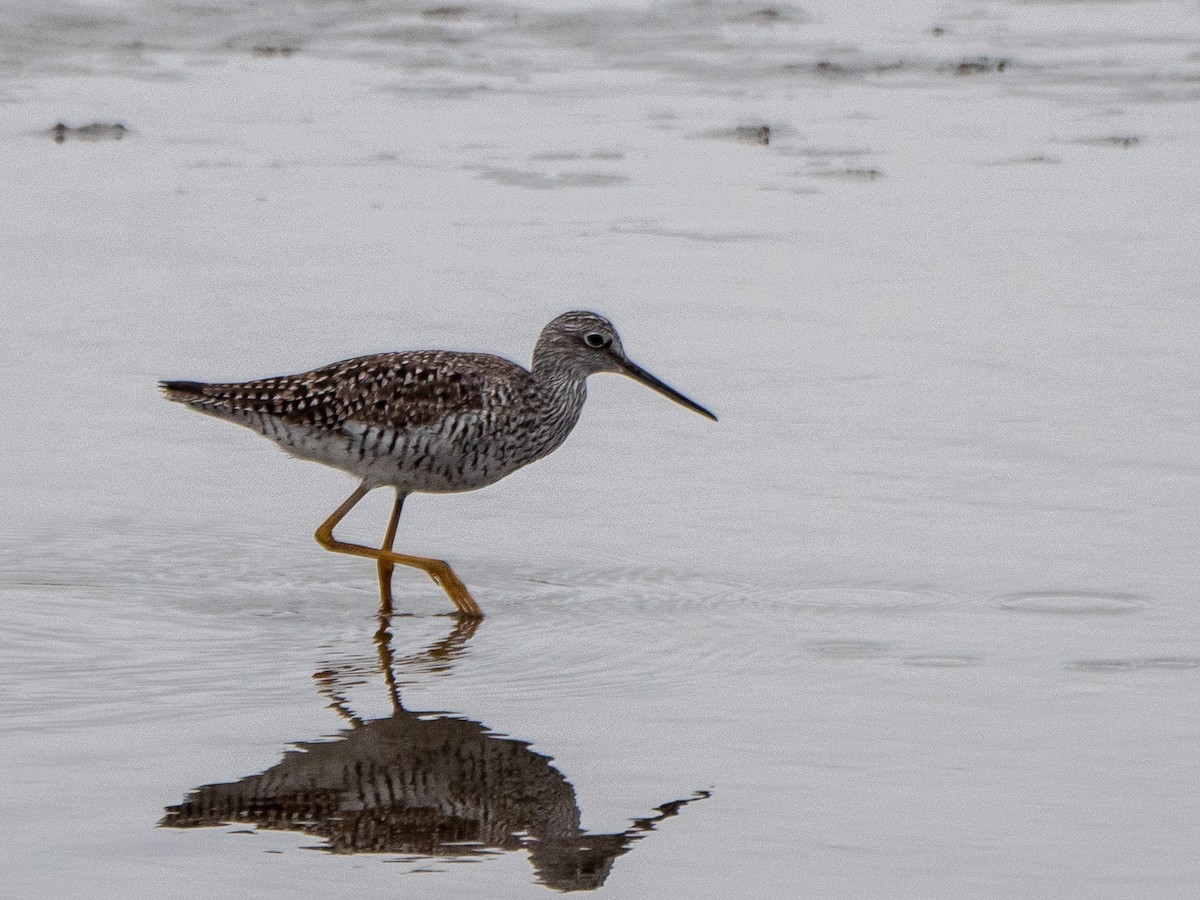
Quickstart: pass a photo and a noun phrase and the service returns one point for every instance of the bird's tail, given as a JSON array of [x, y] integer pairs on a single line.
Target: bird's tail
[[220, 400], [246, 403], [183, 391]]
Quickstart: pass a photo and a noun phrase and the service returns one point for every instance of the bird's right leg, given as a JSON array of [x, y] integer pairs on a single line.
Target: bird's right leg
[[438, 570], [386, 567]]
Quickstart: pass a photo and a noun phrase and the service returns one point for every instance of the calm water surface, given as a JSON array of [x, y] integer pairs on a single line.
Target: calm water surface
[[919, 617]]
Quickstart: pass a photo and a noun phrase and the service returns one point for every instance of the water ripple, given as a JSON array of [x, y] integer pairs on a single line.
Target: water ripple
[[1072, 604], [1135, 663]]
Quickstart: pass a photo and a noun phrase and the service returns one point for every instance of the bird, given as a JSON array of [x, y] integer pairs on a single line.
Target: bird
[[427, 421]]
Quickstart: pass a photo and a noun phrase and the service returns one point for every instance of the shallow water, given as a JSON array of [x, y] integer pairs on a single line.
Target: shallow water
[[918, 616]]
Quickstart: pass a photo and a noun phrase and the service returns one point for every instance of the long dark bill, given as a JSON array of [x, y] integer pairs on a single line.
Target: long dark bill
[[637, 373]]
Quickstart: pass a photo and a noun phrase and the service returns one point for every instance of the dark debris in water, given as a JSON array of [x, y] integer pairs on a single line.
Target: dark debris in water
[[976, 66], [770, 15], [758, 134], [445, 12], [95, 131], [1124, 141], [1029, 159], [851, 174], [270, 50], [754, 134], [831, 69]]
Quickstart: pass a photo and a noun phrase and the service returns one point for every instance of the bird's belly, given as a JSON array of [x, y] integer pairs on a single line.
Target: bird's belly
[[421, 460]]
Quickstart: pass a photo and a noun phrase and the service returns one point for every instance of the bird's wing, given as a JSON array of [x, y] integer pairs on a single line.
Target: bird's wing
[[398, 391], [405, 391], [402, 391]]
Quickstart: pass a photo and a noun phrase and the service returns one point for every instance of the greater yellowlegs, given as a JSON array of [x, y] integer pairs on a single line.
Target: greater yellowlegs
[[427, 421]]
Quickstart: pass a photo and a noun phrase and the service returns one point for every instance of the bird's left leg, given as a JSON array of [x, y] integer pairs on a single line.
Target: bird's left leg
[[437, 569]]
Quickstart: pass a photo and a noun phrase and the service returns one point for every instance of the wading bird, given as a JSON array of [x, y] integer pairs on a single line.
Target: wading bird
[[427, 421]]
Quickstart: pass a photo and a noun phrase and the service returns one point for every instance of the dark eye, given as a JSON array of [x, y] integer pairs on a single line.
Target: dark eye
[[595, 341]]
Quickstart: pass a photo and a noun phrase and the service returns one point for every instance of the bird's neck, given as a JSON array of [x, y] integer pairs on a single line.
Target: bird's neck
[[558, 374], [560, 390]]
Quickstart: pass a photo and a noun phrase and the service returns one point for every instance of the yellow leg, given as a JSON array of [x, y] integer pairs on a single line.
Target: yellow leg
[[386, 567], [439, 571]]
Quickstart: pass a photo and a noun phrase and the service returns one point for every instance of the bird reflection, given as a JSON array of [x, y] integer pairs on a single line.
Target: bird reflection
[[421, 783]]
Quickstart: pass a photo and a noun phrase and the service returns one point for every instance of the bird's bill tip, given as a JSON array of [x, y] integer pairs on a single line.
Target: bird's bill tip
[[640, 375]]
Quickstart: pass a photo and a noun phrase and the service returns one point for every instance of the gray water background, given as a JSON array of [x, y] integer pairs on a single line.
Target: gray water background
[[920, 611]]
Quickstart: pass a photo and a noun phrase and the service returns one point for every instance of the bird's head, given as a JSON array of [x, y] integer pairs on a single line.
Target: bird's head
[[585, 343]]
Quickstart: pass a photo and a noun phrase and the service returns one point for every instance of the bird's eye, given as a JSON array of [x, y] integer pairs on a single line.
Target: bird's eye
[[595, 341]]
